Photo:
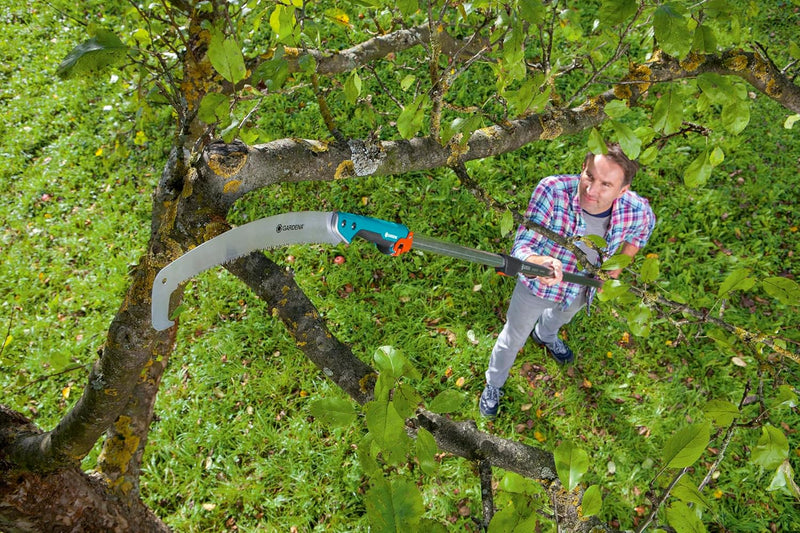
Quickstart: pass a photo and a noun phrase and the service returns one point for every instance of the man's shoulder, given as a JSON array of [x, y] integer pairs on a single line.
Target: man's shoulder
[[633, 200], [565, 182]]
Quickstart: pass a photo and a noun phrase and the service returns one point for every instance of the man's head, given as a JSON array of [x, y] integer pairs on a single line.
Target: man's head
[[604, 178]]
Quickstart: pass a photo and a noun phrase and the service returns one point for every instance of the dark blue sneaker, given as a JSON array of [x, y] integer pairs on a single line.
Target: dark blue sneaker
[[490, 401], [557, 349]]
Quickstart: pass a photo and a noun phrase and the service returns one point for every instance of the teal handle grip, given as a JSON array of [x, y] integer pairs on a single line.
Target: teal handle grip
[[390, 238]]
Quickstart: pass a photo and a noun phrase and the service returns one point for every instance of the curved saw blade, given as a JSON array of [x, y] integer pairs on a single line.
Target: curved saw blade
[[271, 232]]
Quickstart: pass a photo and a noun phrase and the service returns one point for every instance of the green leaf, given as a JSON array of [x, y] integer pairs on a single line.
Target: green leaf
[[506, 223], [650, 269], [461, 125], [616, 109], [683, 519], [592, 501], [367, 451], [786, 290], [226, 58], [685, 491], [447, 401], [716, 157], [772, 448], [786, 397], [630, 143], [214, 107], [517, 484], [408, 7], [686, 445], [698, 171], [595, 240], [612, 289], [393, 506], [410, 120], [282, 21], [104, 49], [672, 31], [794, 50], [668, 113], [273, 72], [616, 262], [532, 11], [613, 12], [649, 155], [705, 42], [406, 400], [639, 319], [513, 59], [784, 480], [717, 88], [392, 362], [790, 120], [352, 87], [571, 464], [426, 451], [389, 361], [597, 145], [738, 280], [407, 81], [334, 412], [513, 519], [722, 412], [735, 116], [386, 426]]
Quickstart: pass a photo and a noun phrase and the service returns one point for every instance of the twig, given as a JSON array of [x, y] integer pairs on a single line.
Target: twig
[[657, 505], [48, 376], [325, 111], [725, 442]]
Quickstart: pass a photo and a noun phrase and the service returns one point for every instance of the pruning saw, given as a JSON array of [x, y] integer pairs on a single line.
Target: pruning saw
[[332, 227]]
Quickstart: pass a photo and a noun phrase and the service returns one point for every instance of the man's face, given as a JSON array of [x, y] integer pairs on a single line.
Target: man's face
[[601, 183]]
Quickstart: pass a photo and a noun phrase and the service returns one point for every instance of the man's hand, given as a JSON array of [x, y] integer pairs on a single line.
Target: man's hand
[[550, 262]]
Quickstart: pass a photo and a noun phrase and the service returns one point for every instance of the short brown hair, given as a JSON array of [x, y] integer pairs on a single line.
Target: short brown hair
[[614, 152]]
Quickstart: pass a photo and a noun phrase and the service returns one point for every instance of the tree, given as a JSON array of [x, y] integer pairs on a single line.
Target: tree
[[398, 88]]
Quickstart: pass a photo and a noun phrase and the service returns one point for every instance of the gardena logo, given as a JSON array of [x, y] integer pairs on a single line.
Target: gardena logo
[[288, 227]]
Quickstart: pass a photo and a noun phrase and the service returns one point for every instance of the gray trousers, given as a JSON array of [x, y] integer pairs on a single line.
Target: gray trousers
[[524, 311]]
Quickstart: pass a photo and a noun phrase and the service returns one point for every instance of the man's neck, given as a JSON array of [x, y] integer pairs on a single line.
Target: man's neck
[[604, 214]]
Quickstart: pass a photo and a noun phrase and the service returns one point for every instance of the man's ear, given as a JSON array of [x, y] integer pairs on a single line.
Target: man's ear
[[623, 190]]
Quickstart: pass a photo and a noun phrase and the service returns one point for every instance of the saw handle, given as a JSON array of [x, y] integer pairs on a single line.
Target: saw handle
[[389, 237]]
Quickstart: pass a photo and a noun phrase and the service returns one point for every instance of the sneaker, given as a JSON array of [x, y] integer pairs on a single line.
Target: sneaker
[[557, 349], [490, 400]]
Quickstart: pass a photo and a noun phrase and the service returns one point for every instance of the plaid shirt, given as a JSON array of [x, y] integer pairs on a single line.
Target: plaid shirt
[[555, 205]]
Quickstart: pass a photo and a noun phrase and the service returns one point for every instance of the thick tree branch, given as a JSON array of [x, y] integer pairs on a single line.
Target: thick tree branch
[[295, 160], [750, 66], [337, 362]]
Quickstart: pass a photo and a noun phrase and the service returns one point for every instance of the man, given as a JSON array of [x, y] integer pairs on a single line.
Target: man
[[596, 202]]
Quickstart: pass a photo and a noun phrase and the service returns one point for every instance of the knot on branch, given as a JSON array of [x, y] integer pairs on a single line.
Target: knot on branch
[[226, 159], [366, 157]]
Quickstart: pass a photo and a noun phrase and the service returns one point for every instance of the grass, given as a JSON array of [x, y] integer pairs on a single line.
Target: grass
[[235, 443]]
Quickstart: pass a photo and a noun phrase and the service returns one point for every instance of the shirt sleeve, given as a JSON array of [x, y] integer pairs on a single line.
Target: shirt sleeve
[[640, 232], [540, 211]]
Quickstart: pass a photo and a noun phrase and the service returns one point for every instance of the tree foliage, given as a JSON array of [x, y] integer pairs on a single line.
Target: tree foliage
[[380, 88]]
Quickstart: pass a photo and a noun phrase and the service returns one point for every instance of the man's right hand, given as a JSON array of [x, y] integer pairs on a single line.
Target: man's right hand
[[553, 264]]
